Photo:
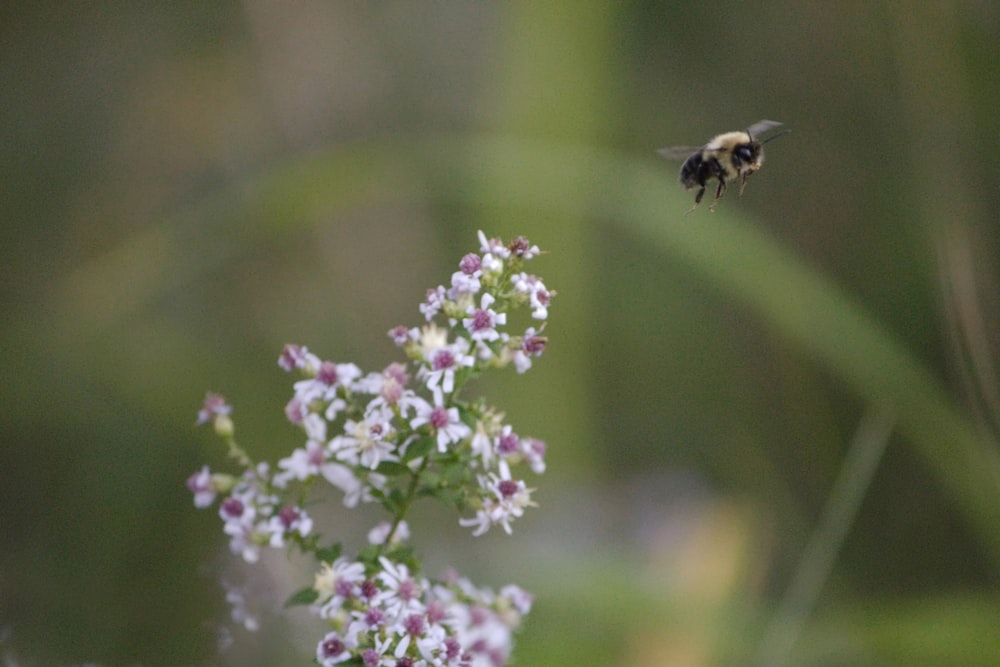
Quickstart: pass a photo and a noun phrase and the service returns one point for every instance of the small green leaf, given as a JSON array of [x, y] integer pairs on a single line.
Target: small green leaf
[[418, 448], [391, 469], [329, 554], [304, 596], [430, 478], [455, 474], [397, 497], [370, 554], [454, 498], [405, 556], [469, 415]]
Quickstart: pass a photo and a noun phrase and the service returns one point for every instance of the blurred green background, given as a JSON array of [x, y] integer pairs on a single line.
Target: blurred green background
[[188, 186]]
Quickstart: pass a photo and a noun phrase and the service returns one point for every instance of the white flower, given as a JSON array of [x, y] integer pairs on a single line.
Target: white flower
[[532, 345], [301, 465], [355, 490], [401, 593], [507, 500], [331, 650], [481, 522], [298, 356], [367, 442], [443, 362], [200, 484], [379, 533], [464, 285], [336, 583], [482, 322], [494, 247], [433, 303], [482, 445], [444, 422], [288, 520], [538, 296]]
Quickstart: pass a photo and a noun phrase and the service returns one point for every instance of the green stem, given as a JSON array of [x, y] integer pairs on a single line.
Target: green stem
[[236, 453], [407, 501]]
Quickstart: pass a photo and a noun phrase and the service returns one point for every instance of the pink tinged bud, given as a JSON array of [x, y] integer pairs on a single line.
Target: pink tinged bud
[[436, 611], [200, 484], [452, 648], [400, 335], [291, 357], [508, 444], [392, 391], [470, 264], [288, 517], [332, 647], [481, 320], [327, 373], [374, 617], [478, 615], [507, 488], [343, 588], [294, 411], [369, 589], [443, 360], [232, 508], [519, 246], [214, 405], [316, 456], [439, 417], [535, 447], [408, 590], [397, 372], [414, 625], [534, 345], [331, 650]]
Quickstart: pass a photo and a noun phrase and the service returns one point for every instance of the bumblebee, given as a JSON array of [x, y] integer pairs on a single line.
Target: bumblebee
[[727, 157]]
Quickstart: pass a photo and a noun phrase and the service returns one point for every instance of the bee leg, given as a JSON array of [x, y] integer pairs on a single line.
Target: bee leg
[[697, 199], [719, 191], [743, 182]]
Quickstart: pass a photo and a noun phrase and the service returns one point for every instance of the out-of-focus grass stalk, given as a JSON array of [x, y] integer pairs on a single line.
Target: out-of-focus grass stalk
[[821, 552]]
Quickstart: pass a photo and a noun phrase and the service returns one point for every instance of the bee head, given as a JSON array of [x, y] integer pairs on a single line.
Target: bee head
[[747, 153]]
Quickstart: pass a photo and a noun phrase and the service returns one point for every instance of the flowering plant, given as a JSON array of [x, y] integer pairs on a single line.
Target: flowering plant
[[376, 439]]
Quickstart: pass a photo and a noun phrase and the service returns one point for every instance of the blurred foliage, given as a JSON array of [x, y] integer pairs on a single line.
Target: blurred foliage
[[187, 187]]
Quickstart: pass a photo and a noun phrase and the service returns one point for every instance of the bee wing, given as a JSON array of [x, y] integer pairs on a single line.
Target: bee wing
[[678, 152], [762, 128]]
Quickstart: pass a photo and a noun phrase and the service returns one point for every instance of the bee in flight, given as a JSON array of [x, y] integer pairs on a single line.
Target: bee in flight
[[726, 157]]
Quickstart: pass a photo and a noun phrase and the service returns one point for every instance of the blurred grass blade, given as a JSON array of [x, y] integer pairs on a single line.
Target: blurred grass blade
[[821, 552], [794, 300]]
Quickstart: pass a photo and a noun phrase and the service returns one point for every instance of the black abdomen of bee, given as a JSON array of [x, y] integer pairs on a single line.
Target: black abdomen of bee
[[696, 171]]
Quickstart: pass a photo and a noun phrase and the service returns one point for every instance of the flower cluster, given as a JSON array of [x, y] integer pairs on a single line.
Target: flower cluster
[[399, 618], [389, 438]]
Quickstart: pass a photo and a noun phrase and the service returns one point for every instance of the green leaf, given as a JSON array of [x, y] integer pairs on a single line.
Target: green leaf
[[449, 496], [391, 469], [370, 554], [394, 501], [329, 554], [418, 448], [405, 556], [301, 597], [455, 473], [471, 414]]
